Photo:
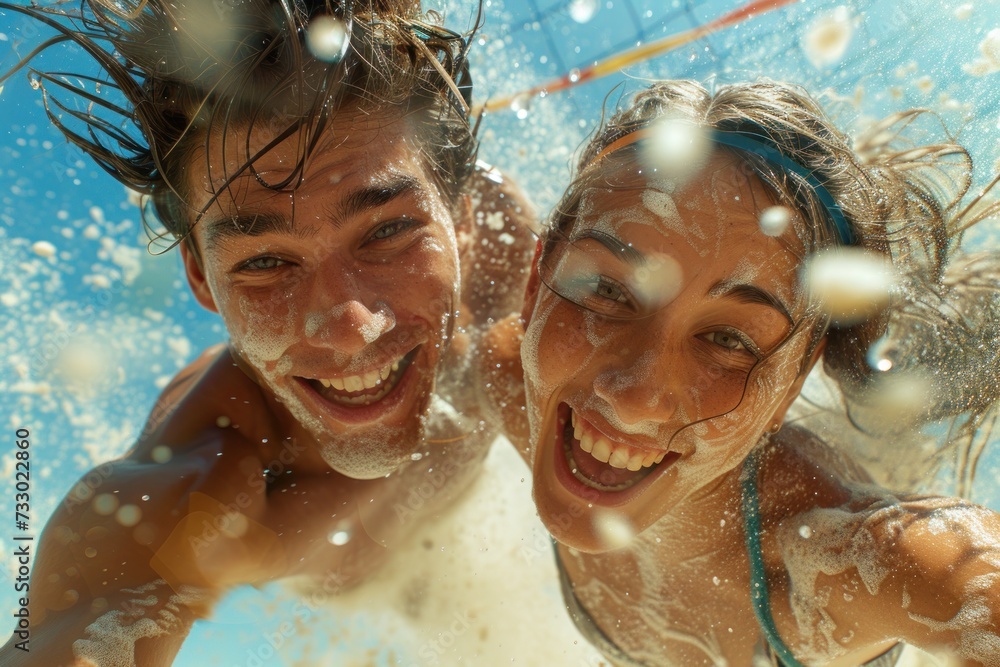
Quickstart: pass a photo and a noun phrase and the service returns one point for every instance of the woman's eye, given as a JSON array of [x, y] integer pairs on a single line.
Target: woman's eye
[[726, 339], [608, 289], [262, 264]]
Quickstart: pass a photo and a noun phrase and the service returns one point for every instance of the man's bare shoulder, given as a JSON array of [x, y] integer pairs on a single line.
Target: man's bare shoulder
[[500, 244], [105, 535]]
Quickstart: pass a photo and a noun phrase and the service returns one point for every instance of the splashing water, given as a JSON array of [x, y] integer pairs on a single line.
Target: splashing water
[[989, 61]]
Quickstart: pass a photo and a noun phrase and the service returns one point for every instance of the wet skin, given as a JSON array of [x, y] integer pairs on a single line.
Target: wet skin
[[684, 381], [354, 272], [251, 469]]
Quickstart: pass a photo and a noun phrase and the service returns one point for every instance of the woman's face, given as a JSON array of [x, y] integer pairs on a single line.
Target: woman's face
[[662, 359]]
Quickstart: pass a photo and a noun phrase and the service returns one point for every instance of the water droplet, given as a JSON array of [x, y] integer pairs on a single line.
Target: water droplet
[[105, 504], [582, 11], [416, 456], [615, 530], [43, 249], [161, 454], [128, 515], [826, 40], [339, 538], [774, 220], [850, 283], [805, 532], [520, 105], [677, 148], [327, 39], [574, 75]]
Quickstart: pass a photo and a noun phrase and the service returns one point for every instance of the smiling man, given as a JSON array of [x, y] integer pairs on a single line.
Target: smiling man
[[323, 203]]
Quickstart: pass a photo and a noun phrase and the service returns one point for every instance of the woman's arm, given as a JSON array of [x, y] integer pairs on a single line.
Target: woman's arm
[[856, 569]]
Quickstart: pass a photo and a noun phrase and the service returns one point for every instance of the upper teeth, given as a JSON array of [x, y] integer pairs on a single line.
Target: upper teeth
[[360, 382], [614, 454]]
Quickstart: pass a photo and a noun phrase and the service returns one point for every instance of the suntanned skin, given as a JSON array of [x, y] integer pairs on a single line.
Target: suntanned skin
[[894, 567], [706, 553], [231, 486]]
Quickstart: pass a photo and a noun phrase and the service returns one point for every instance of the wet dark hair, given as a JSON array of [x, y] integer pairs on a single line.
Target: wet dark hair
[[899, 202], [900, 199], [172, 72]]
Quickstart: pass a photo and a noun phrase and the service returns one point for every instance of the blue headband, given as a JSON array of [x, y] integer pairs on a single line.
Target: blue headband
[[748, 143], [774, 156]]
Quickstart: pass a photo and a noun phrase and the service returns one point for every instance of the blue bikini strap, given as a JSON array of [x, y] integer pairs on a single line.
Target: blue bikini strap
[[759, 596]]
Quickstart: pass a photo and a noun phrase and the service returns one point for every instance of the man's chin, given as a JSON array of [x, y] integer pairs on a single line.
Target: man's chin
[[369, 456]]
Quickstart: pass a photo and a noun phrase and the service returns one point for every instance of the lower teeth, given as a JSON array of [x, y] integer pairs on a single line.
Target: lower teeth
[[361, 400]]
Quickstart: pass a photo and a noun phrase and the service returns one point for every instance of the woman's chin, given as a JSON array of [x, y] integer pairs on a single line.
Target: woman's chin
[[586, 527]]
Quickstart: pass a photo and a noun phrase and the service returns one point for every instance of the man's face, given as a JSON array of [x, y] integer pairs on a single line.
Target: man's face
[[337, 295]]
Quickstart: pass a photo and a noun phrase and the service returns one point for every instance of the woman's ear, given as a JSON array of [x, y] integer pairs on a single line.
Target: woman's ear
[[531, 290], [796, 388], [196, 276]]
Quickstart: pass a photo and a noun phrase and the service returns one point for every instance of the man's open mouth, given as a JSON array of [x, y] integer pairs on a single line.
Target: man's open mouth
[[364, 389], [601, 463]]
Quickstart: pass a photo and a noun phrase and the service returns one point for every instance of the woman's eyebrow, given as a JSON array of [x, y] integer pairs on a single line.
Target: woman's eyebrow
[[620, 249], [746, 293]]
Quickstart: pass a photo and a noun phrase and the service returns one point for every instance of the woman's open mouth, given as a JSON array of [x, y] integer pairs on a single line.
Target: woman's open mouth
[[366, 389], [603, 464]]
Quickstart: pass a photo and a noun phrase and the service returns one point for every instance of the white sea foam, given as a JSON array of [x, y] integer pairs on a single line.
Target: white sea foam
[[446, 596], [111, 638]]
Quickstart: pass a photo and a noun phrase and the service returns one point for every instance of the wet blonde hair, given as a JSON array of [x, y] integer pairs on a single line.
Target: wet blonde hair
[[901, 200]]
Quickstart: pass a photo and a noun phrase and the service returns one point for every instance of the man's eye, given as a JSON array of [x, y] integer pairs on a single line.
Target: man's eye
[[262, 264], [390, 229]]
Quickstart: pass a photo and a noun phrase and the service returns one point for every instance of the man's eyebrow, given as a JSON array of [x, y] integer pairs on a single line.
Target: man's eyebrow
[[621, 250], [355, 202], [370, 197], [746, 293], [219, 230]]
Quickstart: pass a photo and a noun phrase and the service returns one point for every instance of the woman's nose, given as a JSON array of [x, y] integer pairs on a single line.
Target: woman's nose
[[640, 386]]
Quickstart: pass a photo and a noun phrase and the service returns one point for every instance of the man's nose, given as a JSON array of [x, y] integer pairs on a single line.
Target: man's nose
[[343, 319]]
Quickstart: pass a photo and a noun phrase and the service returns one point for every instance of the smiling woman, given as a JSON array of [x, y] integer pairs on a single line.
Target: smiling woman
[[668, 329]]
